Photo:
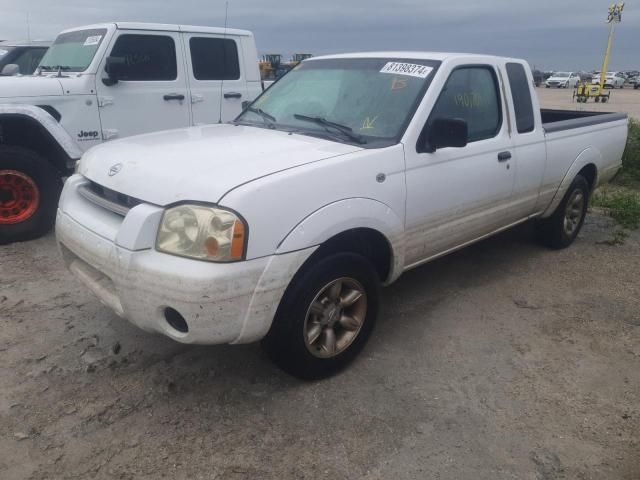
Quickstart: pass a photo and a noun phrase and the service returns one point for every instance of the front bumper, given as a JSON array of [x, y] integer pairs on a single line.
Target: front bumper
[[221, 303]]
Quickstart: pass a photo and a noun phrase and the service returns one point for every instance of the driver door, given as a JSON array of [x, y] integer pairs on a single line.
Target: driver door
[[456, 195]]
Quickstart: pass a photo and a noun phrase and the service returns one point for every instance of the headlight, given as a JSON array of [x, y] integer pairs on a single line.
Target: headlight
[[204, 233]]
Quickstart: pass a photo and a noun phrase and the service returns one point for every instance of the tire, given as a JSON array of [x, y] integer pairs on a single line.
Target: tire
[[289, 343], [561, 229], [29, 191]]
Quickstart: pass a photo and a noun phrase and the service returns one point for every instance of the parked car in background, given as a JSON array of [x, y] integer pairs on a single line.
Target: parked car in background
[[109, 81], [21, 58], [562, 80], [347, 172], [612, 80], [636, 82]]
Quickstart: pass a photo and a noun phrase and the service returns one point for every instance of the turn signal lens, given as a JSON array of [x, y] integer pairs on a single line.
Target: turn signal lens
[[237, 243], [203, 233]]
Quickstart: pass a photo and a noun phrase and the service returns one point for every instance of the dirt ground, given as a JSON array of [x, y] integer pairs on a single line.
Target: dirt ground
[[502, 361], [625, 100]]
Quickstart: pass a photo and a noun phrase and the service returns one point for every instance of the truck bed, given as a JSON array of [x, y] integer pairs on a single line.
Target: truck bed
[[558, 120]]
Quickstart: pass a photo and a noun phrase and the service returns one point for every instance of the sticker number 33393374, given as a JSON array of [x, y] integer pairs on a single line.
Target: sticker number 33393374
[[411, 69]]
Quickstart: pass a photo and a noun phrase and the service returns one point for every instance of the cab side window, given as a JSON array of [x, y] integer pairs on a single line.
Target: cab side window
[[471, 94], [146, 57]]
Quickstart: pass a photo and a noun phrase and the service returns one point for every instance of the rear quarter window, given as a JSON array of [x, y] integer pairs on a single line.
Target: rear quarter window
[[521, 95]]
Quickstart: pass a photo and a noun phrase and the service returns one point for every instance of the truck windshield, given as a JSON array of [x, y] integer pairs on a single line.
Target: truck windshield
[[73, 51], [366, 101]]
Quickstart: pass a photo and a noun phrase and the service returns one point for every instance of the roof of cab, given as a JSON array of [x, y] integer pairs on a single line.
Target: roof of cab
[[161, 27], [440, 56]]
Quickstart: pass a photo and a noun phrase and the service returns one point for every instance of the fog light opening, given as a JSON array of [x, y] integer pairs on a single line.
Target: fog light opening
[[176, 320]]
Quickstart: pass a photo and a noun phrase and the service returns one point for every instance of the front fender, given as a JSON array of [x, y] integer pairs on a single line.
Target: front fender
[[47, 122], [586, 157], [348, 214]]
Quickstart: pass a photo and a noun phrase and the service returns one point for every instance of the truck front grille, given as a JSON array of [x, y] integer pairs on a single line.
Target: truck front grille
[[108, 199]]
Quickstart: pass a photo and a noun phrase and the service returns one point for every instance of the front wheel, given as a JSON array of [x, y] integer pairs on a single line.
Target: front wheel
[[29, 192], [325, 317], [561, 229]]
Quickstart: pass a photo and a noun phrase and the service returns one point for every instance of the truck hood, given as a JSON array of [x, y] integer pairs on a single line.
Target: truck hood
[[11, 87], [200, 163]]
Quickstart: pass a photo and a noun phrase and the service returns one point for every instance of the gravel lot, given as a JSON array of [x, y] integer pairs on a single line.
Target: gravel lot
[[502, 361], [622, 100]]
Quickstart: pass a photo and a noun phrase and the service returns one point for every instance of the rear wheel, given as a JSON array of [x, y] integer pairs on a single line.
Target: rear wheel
[[562, 228], [325, 317], [29, 192]]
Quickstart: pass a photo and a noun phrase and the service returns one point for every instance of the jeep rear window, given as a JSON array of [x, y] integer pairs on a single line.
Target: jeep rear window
[[214, 58], [73, 51]]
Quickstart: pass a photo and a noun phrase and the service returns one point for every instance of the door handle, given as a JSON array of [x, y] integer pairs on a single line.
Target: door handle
[[504, 156], [173, 96], [233, 95]]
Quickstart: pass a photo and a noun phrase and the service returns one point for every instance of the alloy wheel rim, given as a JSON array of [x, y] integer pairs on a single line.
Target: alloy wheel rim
[[19, 197], [573, 212], [335, 317]]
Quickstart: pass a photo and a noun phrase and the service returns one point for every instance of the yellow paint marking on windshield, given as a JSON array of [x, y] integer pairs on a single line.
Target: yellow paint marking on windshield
[[369, 122], [398, 83]]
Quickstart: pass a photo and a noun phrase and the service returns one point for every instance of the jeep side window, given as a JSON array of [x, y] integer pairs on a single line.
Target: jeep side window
[[471, 94], [146, 57], [214, 58]]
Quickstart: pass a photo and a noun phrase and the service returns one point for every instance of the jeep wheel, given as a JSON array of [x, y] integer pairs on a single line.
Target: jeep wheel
[[29, 192], [325, 317]]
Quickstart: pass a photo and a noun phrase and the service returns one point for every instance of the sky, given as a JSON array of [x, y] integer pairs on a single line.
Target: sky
[[550, 34]]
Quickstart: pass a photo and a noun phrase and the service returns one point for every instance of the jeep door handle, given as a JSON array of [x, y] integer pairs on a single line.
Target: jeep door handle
[[504, 156], [233, 95], [173, 96]]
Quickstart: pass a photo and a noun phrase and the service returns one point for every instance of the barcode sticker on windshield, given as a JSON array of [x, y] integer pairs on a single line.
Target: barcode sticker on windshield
[[411, 69], [95, 40]]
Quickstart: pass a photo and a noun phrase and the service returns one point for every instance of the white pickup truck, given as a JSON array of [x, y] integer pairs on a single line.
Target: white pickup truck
[[108, 81], [347, 172]]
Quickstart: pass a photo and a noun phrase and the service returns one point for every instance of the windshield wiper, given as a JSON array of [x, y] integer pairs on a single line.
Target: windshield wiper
[[54, 67], [344, 129], [268, 119]]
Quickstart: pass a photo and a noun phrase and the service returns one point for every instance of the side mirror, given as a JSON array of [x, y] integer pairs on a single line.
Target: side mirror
[[115, 67], [245, 104], [10, 70], [446, 132]]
